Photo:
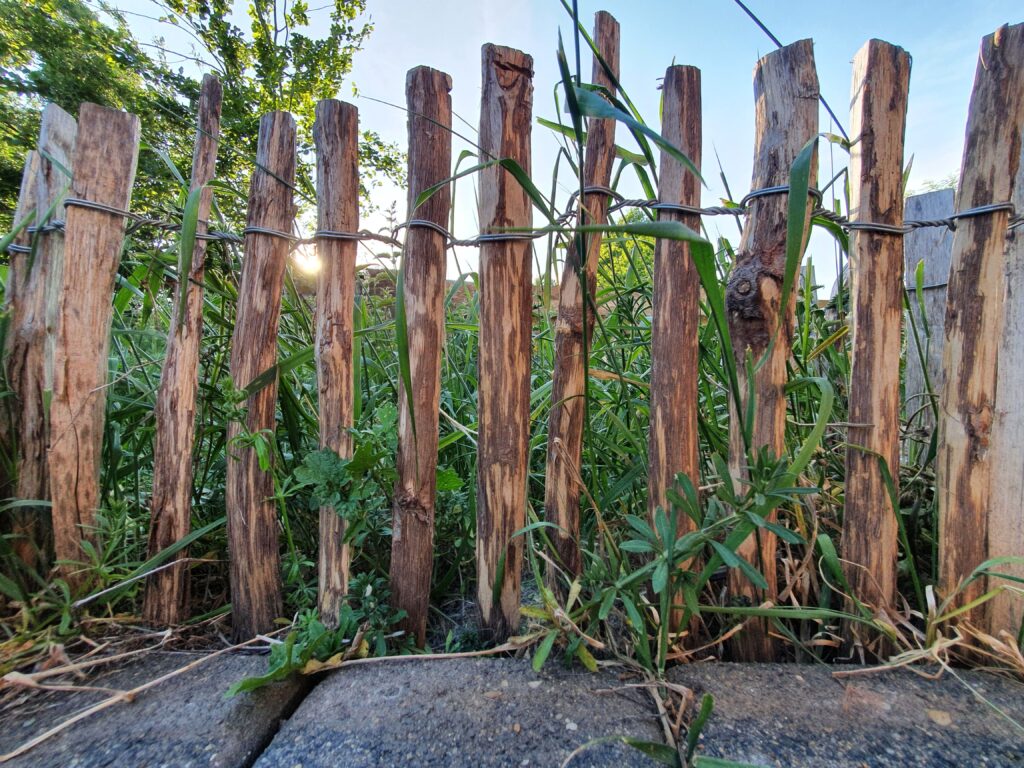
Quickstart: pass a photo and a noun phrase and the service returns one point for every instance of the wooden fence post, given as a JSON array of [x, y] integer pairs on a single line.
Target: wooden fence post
[[251, 512], [424, 265], [786, 98], [572, 334], [336, 135], [881, 78], [20, 525], [933, 246], [506, 295], [32, 331], [1006, 523], [974, 314], [167, 592], [105, 159], [673, 442]]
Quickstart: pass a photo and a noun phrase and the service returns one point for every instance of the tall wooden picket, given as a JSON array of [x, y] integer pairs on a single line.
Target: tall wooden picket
[[786, 99], [424, 267], [1006, 523], [975, 315], [24, 534], [166, 598], [675, 317], [336, 135], [573, 328], [506, 294], [251, 511], [881, 78], [105, 158]]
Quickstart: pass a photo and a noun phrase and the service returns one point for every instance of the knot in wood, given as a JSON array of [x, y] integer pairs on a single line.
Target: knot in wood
[[743, 291]]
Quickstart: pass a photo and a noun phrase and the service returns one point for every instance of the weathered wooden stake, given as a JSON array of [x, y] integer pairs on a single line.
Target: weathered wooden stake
[[506, 294], [786, 99], [32, 332], [336, 135], [673, 440], [424, 266], [881, 78], [1006, 523], [21, 525], [251, 512], [106, 155], [974, 315], [166, 598], [572, 334]]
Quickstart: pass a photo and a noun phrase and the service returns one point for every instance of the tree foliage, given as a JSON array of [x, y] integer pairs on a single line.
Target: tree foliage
[[69, 51]]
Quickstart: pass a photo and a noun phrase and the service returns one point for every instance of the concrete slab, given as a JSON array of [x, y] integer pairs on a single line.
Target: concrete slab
[[465, 712], [799, 715], [182, 722]]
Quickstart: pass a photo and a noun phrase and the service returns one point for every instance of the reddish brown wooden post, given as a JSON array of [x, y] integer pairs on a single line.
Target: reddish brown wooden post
[[106, 153], [881, 78], [506, 294], [974, 314], [32, 332], [336, 134], [20, 525], [572, 335], [424, 266], [166, 598], [251, 513], [1006, 523], [786, 99], [673, 441]]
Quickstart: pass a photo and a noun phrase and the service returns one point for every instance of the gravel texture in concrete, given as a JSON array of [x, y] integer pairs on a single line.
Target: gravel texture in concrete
[[465, 712], [180, 723], [801, 715]]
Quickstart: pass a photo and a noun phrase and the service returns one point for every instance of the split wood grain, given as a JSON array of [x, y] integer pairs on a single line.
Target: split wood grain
[[32, 333], [251, 512], [881, 79], [575, 323], [786, 113], [1006, 521], [424, 265], [105, 159], [673, 439], [167, 591], [336, 136], [506, 293], [20, 524], [974, 316]]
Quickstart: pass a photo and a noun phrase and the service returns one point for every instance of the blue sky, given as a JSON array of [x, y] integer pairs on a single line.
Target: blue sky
[[714, 35]]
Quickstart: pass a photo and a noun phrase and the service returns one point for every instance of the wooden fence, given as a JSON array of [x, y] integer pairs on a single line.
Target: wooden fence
[[61, 279]]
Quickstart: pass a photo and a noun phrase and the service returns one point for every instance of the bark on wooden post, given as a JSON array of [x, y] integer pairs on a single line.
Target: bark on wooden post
[[105, 158], [32, 330], [251, 514], [20, 524], [673, 440], [336, 134], [506, 295], [424, 265], [572, 334], [786, 98], [1006, 523], [166, 598], [881, 77], [974, 314]]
